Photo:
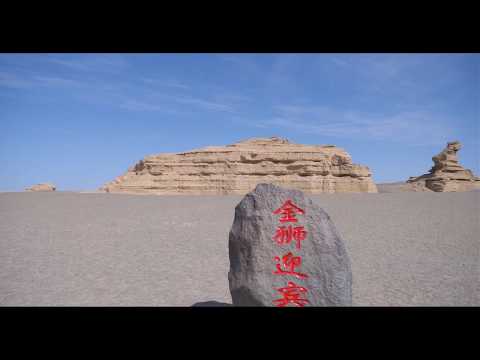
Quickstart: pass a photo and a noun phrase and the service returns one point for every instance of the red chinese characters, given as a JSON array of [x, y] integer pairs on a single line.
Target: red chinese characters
[[285, 235], [289, 263], [292, 293], [288, 209]]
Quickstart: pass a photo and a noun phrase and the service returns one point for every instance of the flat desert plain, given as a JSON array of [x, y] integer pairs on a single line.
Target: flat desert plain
[[61, 248]]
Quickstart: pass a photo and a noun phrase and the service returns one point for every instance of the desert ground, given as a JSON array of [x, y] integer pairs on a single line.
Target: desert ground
[[87, 249]]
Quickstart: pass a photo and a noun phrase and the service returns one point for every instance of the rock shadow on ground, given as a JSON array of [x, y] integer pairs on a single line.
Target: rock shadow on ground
[[211, 303]]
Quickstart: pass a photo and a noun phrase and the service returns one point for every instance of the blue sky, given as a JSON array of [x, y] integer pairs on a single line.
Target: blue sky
[[80, 120]]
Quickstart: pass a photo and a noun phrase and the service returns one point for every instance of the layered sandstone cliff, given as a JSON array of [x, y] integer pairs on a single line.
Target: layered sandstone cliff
[[238, 168], [447, 174]]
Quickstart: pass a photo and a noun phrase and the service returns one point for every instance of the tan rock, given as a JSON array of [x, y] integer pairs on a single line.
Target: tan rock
[[447, 174], [238, 168], [42, 187]]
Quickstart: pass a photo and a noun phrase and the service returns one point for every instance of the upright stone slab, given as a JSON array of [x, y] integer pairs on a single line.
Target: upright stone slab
[[285, 251]]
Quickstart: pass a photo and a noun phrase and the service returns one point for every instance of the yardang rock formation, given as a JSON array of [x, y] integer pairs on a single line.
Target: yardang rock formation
[[42, 187], [238, 168], [447, 174]]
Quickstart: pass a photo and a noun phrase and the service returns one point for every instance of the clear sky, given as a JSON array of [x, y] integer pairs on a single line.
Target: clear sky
[[80, 120]]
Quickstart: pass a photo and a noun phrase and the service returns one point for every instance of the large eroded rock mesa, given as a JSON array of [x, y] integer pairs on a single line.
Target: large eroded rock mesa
[[447, 174], [238, 168]]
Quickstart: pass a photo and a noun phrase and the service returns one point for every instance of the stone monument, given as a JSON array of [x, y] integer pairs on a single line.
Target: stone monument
[[285, 251]]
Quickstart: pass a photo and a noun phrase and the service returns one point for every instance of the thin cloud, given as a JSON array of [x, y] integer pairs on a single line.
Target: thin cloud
[[93, 63], [135, 105], [405, 77], [178, 86], [242, 61], [205, 104], [11, 80], [15, 81], [341, 62], [56, 81], [73, 64], [139, 106], [412, 128], [233, 98], [172, 84], [180, 99]]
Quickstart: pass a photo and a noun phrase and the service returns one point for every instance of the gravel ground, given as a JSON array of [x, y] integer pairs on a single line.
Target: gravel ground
[[133, 250]]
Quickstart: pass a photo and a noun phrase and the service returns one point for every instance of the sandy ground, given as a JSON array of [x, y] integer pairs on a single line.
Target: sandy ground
[[394, 187], [105, 249]]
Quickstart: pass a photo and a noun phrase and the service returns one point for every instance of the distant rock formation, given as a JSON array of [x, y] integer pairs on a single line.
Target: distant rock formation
[[238, 168], [447, 174], [42, 187]]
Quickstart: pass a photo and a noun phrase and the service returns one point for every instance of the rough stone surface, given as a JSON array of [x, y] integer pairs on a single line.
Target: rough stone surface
[[238, 168], [41, 187], [252, 252], [447, 174]]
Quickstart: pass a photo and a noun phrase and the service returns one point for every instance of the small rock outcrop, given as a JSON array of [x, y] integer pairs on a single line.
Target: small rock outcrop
[[447, 174], [238, 168], [41, 187], [285, 251]]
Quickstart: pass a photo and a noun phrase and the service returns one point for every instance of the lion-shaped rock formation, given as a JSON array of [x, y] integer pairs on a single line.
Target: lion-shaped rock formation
[[447, 174]]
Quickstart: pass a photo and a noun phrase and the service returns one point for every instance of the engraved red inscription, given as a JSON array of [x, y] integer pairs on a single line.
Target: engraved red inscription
[[285, 235], [288, 210], [289, 262], [291, 294]]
